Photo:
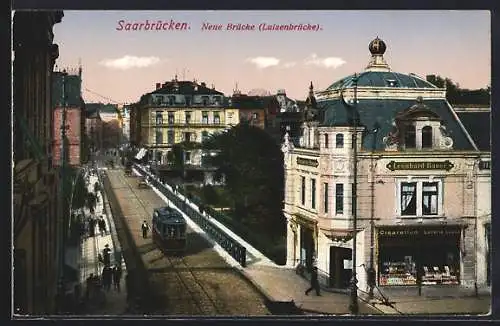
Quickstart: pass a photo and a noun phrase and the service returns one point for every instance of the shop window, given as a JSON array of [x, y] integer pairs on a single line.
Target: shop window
[[408, 198], [339, 198], [429, 198], [410, 137], [313, 193], [325, 196], [339, 141], [303, 190], [427, 137], [326, 141]]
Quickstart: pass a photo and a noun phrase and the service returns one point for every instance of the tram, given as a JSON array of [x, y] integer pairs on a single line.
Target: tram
[[169, 230]]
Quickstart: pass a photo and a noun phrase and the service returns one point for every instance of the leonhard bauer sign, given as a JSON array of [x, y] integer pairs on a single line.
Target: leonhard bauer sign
[[445, 165]]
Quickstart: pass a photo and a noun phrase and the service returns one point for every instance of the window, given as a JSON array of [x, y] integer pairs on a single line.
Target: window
[[420, 198], [159, 137], [171, 118], [255, 116], [187, 137], [410, 141], [170, 136], [171, 100], [204, 135], [313, 193], [326, 141], [205, 100], [325, 196], [159, 118], [188, 100], [188, 117], [429, 198], [409, 198], [303, 190], [339, 198], [159, 99], [204, 117], [427, 137], [187, 157], [339, 141], [216, 118]]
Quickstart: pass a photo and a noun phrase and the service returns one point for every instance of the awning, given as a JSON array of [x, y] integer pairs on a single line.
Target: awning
[[141, 154]]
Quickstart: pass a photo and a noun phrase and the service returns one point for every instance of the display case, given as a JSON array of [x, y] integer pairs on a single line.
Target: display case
[[398, 273]]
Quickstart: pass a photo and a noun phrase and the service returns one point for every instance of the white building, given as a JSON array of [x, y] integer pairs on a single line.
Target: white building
[[421, 184]]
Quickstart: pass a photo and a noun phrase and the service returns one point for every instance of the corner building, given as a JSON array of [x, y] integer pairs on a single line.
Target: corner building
[[420, 179]]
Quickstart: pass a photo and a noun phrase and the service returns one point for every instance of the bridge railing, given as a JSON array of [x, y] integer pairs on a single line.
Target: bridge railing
[[230, 245]]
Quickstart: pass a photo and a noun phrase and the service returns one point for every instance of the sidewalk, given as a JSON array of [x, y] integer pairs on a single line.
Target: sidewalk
[[116, 302]]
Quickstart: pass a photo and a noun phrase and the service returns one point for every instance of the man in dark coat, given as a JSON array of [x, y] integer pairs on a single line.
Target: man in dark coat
[[106, 253], [117, 276], [107, 275], [145, 229], [314, 281]]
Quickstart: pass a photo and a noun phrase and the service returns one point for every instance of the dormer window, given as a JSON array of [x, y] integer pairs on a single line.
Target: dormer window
[[392, 83], [171, 100], [339, 141], [427, 137], [410, 137]]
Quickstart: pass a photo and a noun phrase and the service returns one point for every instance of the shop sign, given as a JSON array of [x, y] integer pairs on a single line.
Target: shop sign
[[445, 165], [307, 162], [418, 232]]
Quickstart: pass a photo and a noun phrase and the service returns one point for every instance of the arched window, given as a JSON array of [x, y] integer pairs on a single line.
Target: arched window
[[339, 141], [326, 141], [410, 141], [427, 137]]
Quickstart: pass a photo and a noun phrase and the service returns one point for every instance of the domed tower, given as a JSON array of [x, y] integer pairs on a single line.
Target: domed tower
[[310, 105], [377, 48]]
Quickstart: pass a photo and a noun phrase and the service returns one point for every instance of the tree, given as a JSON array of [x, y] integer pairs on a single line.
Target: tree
[[458, 96], [253, 166]]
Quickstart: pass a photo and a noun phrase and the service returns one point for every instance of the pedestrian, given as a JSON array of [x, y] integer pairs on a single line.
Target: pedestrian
[[92, 223], [145, 229], [89, 289], [106, 253], [107, 274], [314, 281], [102, 226], [117, 276]]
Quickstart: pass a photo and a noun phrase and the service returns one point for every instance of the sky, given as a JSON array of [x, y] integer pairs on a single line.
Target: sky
[[121, 65]]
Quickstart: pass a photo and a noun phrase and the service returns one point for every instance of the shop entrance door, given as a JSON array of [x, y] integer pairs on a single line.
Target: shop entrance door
[[339, 275], [306, 248]]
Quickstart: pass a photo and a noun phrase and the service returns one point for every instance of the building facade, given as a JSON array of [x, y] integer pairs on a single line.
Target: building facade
[[180, 112], [125, 115], [36, 218], [413, 190]]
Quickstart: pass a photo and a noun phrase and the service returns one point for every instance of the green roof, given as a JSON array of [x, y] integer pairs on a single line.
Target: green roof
[[383, 79], [72, 90], [383, 111]]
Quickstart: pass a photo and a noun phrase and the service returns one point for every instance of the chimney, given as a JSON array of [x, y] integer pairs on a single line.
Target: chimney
[[158, 85], [203, 84]]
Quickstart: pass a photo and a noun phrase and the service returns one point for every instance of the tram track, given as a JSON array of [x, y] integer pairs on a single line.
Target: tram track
[[198, 294]]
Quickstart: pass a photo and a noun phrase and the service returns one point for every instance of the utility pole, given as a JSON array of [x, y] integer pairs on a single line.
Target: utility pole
[[353, 306], [371, 270]]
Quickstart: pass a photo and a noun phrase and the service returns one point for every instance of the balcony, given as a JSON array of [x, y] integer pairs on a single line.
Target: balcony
[[185, 124]]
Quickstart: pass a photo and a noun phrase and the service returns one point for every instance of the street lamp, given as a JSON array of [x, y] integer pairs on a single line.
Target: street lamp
[[353, 305]]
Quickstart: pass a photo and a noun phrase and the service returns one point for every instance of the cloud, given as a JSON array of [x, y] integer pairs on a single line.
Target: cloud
[[264, 62], [130, 61], [289, 64], [328, 62]]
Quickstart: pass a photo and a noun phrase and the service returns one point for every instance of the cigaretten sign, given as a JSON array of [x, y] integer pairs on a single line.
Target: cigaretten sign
[[445, 165]]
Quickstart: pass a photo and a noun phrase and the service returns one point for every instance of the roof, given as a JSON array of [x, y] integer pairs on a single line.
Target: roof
[[383, 79], [247, 102], [335, 112], [169, 215], [186, 88], [478, 124]]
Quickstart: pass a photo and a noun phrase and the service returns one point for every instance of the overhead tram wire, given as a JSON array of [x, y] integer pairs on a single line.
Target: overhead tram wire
[[104, 97]]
